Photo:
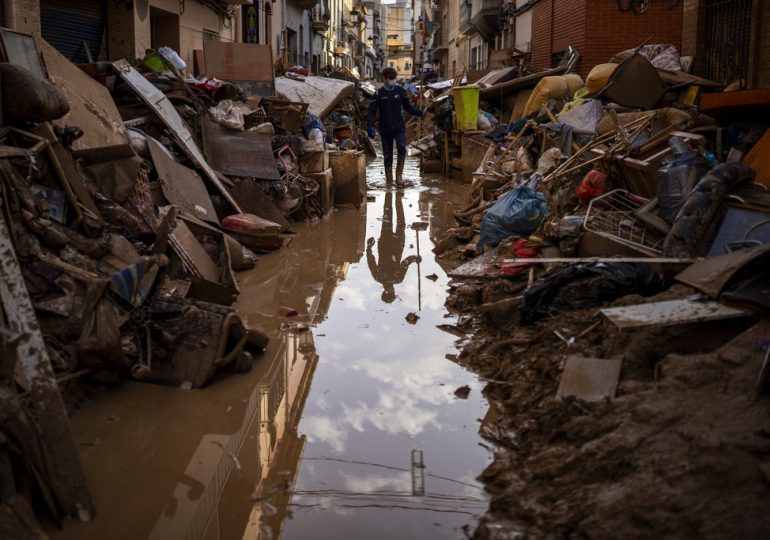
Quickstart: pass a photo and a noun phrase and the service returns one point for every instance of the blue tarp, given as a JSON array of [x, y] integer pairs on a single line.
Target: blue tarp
[[518, 213]]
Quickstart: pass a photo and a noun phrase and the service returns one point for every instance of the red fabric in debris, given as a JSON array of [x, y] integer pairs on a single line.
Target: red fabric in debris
[[521, 250], [591, 187]]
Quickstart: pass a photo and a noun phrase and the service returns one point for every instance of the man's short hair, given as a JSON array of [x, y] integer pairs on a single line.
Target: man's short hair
[[389, 73]]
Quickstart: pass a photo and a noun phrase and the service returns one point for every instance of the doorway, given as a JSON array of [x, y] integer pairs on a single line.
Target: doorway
[[164, 29], [728, 27]]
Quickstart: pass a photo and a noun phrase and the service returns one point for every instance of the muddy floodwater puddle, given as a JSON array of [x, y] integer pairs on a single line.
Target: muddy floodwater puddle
[[348, 425]]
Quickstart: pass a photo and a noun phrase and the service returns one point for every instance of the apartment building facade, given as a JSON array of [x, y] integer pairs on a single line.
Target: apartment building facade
[[110, 30], [398, 36]]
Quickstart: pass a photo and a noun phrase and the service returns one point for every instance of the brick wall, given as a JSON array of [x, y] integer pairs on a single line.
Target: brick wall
[[609, 31], [542, 29], [557, 24], [569, 23], [598, 29]]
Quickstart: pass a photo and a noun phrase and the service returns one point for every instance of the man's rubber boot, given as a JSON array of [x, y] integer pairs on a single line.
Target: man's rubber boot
[[400, 171], [389, 175]]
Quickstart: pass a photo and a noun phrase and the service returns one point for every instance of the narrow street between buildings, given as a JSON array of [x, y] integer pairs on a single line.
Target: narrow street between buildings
[[384, 269], [347, 426]]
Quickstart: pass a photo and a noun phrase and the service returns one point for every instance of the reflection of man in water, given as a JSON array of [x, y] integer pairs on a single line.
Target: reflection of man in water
[[390, 269]]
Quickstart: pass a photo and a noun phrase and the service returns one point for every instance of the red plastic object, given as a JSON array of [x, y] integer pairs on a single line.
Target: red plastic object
[[521, 250], [591, 187], [209, 84], [249, 224]]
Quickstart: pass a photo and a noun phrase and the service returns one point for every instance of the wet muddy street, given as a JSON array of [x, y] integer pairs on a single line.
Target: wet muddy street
[[347, 426]]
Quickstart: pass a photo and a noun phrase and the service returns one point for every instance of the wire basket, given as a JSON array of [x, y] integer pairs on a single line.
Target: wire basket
[[615, 216], [254, 119]]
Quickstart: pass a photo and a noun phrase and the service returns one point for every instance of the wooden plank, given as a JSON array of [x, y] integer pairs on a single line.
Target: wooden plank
[[241, 63], [199, 62], [487, 264], [670, 312], [35, 374], [711, 275], [192, 253], [91, 106], [481, 266], [239, 153], [322, 94], [181, 186], [589, 260]]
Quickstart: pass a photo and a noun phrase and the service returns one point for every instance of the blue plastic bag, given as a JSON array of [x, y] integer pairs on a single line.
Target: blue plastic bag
[[518, 213], [311, 121]]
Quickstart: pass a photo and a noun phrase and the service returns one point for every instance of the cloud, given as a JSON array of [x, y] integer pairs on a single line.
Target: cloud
[[370, 483], [324, 429], [352, 297]]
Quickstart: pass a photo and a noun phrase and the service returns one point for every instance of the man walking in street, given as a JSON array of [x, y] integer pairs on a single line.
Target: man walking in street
[[391, 100]]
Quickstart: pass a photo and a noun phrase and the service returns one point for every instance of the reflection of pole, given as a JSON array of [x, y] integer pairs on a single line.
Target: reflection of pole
[[419, 280], [418, 473]]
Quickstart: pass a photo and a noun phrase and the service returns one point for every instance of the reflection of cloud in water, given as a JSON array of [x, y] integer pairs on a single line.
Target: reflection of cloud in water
[[370, 483], [409, 400], [336, 346], [324, 429], [418, 380], [405, 391], [393, 413], [367, 335], [322, 403], [433, 295], [470, 480], [352, 297]]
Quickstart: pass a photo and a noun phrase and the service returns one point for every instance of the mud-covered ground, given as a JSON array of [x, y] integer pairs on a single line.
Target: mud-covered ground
[[678, 453]]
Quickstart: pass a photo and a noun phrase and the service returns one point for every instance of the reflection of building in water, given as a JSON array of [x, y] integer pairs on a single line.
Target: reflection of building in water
[[282, 398], [306, 281], [260, 460]]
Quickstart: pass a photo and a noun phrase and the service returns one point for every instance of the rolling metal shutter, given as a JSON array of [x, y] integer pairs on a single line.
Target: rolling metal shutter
[[68, 24]]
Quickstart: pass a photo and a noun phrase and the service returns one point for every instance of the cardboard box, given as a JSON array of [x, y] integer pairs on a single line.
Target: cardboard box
[[326, 189], [349, 173], [314, 162]]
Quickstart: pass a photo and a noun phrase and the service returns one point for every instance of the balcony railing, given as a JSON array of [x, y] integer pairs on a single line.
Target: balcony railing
[[485, 17], [466, 26], [320, 18], [439, 39]]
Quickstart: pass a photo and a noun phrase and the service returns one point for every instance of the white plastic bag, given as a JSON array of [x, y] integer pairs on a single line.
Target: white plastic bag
[[226, 114], [315, 140]]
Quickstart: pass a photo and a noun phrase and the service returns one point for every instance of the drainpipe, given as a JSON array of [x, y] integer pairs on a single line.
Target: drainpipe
[[284, 51]]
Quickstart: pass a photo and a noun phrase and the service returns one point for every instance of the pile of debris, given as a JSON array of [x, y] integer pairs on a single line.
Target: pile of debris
[[130, 195], [612, 257]]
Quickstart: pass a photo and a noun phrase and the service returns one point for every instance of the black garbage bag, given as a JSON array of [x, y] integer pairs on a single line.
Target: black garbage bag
[[443, 119], [584, 286]]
